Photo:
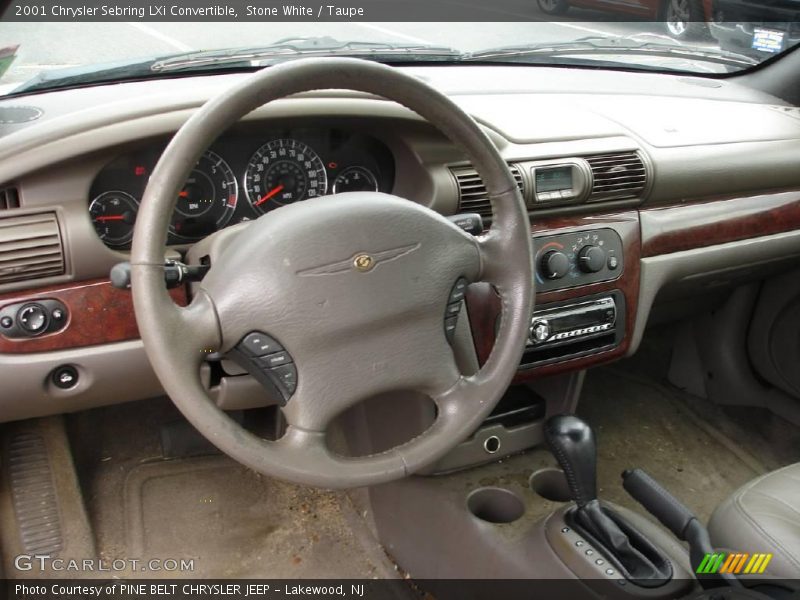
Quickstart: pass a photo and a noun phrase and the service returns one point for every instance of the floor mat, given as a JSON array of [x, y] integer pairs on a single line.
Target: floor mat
[[232, 521], [239, 524], [641, 423]]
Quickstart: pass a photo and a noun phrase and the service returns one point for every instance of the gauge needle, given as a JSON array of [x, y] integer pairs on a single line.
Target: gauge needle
[[183, 194], [276, 190], [110, 218]]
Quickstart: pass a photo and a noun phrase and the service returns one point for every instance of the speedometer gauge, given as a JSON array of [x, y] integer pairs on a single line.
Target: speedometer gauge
[[281, 172], [207, 201]]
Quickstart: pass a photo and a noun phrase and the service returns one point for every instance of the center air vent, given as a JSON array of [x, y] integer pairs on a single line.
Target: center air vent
[[617, 176], [472, 197], [30, 247]]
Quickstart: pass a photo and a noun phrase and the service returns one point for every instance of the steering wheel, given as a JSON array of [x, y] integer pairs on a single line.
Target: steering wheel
[[344, 296]]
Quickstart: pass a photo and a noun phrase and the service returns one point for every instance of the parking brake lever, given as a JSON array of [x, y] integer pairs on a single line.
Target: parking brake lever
[[679, 520]]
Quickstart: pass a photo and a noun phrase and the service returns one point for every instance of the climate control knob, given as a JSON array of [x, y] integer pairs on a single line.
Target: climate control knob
[[554, 264], [591, 259]]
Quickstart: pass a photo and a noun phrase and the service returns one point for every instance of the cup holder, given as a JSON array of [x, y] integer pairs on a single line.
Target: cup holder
[[495, 505], [551, 484]]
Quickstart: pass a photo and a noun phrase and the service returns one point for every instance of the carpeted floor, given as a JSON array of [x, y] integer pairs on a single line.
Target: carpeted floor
[[235, 523], [641, 423]]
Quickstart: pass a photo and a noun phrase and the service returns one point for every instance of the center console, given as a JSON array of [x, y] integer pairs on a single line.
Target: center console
[[587, 287], [513, 518]]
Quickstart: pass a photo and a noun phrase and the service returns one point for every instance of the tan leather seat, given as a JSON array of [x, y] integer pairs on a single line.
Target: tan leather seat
[[763, 516]]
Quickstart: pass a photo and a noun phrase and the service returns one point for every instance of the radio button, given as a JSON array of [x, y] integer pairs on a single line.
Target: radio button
[[540, 331]]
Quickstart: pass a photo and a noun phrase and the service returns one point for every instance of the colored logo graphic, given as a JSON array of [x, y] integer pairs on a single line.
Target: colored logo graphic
[[734, 562]]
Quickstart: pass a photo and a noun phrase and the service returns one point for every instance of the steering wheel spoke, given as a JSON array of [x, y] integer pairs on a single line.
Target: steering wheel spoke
[[396, 357]]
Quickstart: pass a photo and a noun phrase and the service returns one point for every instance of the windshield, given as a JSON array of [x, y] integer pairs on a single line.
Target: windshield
[[39, 52]]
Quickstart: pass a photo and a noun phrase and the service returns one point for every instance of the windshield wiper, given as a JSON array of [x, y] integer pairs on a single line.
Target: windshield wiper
[[596, 45], [313, 46]]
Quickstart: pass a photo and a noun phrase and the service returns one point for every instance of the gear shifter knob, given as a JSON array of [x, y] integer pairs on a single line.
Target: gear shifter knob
[[572, 442]]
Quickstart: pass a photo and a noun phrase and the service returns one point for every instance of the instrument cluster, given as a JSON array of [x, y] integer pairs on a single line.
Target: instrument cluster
[[240, 178]]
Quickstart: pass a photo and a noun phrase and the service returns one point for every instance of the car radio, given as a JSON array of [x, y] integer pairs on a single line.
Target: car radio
[[576, 328]]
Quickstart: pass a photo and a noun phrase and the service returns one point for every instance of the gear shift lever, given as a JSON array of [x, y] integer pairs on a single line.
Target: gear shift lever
[[572, 443]]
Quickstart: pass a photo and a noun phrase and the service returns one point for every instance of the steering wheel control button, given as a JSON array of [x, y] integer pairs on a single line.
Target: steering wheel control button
[[454, 300], [260, 344], [6, 322], [274, 360], [32, 318], [286, 378], [459, 291], [266, 359], [450, 328], [453, 309], [65, 377]]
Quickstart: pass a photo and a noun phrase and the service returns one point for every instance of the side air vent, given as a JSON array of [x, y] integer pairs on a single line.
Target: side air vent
[[472, 191], [616, 176], [30, 247], [9, 198]]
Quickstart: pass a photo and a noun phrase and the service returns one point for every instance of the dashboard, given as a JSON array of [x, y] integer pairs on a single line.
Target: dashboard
[[638, 185], [241, 177]]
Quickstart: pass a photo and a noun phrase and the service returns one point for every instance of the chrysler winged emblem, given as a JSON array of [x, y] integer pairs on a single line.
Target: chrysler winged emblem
[[361, 262]]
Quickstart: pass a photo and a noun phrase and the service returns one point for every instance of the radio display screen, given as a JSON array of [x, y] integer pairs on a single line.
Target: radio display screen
[[551, 179]]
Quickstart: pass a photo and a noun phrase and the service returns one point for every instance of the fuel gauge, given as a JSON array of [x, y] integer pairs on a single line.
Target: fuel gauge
[[113, 215], [355, 179]]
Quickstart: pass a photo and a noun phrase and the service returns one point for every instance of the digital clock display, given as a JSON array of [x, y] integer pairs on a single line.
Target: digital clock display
[[552, 179]]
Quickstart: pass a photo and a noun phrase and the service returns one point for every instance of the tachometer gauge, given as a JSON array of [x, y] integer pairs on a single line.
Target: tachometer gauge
[[355, 179], [282, 172], [113, 215], [208, 199]]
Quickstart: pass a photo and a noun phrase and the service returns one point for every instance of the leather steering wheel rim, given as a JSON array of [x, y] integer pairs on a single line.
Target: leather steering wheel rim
[[431, 254]]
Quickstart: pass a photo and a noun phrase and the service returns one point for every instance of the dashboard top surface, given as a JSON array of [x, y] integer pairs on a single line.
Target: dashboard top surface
[[700, 138]]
